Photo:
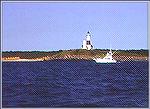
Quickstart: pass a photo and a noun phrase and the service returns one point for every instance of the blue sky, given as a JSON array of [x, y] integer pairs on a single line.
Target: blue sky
[[63, 25]]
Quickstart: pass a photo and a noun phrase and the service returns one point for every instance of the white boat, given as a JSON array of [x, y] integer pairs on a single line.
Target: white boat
[[107, 59]]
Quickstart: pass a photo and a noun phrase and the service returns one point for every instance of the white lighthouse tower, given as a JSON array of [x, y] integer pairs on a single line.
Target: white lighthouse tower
[[87, 42], [84, 44]]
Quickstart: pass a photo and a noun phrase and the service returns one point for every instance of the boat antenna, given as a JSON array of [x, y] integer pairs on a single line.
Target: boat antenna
[[110, 46]]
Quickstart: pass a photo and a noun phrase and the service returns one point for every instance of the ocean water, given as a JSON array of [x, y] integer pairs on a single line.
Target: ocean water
[[74, 83]]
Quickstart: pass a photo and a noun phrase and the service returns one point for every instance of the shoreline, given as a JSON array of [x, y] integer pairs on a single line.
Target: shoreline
[[68, 59], [43, 60], [77, 54], [21, 60]]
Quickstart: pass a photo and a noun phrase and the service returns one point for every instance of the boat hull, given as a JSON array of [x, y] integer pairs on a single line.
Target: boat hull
[[104, 61]]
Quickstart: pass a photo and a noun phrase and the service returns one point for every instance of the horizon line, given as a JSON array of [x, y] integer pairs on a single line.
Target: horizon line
[[66, 50]]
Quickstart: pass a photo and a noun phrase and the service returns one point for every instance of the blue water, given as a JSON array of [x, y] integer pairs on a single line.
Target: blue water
[[74, 83]]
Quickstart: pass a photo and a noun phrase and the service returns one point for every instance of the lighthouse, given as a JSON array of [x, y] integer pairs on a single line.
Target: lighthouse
[[87, 42]]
